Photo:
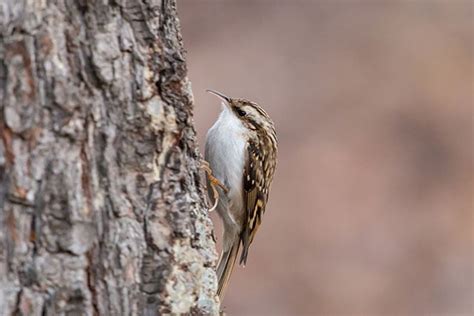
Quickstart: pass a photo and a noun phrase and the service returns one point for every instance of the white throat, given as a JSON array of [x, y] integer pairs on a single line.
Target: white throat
[[225, 151]]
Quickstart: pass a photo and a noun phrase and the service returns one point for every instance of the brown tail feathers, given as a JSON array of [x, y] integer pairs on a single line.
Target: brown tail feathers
[[225, 267]]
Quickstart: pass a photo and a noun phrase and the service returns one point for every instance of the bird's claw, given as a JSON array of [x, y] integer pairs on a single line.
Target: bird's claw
[[213, 181]]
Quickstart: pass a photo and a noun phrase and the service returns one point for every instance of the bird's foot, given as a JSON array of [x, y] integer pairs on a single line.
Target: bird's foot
[[214, 183]]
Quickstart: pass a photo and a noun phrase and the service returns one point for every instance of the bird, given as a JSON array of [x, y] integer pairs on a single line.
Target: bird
[[241, 150]]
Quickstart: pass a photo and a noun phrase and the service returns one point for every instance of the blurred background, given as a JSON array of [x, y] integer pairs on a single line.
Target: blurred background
[[371, 209]]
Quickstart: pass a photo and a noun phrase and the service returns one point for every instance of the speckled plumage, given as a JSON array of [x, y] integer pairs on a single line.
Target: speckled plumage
[[241, 149]]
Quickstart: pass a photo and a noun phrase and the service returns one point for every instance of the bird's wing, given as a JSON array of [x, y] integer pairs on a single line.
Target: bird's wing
[[255, 193]]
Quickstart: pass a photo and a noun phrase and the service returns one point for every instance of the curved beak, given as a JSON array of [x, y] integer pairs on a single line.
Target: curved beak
[[219, 95]]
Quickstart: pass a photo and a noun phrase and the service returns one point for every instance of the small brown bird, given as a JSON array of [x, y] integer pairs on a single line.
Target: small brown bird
[[241, 148]]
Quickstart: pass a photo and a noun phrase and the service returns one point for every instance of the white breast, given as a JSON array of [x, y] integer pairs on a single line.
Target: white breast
[[225, 152]]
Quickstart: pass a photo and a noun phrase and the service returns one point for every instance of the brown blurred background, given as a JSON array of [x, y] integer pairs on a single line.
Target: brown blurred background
[[371, 210]]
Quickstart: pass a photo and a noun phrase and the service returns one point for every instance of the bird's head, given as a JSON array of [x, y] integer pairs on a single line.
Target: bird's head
[[250, 113]]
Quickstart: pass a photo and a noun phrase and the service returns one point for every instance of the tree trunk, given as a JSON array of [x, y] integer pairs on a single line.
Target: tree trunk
[[102, 208]]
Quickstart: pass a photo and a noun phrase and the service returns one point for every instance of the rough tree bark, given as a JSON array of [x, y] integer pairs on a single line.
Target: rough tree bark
[[101, 203]]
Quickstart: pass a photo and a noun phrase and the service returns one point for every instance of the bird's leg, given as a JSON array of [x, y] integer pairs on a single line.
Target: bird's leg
[[213, 181], [205, 166]]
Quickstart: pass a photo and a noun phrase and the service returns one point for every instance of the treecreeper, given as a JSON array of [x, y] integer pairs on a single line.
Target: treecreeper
[[241, 152]]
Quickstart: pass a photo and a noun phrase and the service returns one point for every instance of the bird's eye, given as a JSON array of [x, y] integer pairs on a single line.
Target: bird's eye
[[241, 112]]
